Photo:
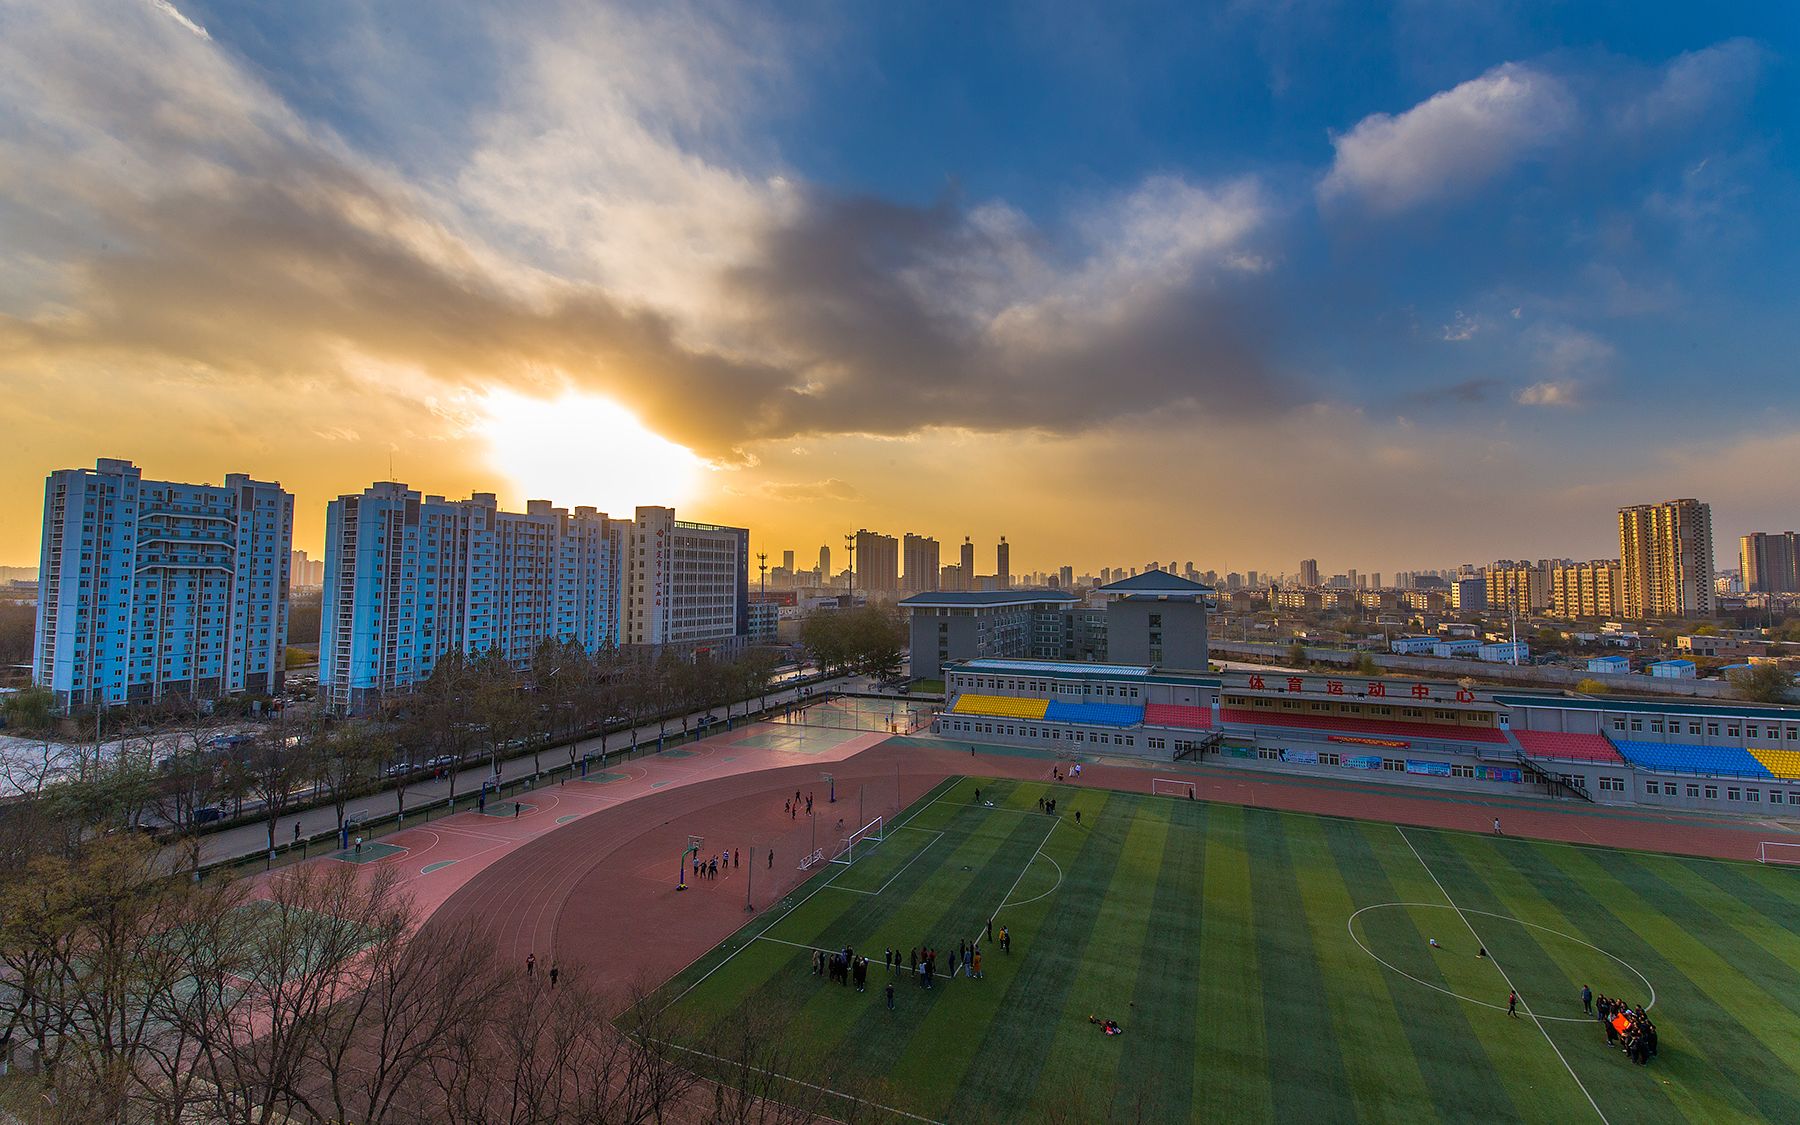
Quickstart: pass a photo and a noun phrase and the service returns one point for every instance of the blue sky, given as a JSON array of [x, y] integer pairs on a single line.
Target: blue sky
[[1393, 285]]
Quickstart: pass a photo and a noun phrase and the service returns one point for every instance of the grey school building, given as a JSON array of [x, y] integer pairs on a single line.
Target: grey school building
[[1151, 618]]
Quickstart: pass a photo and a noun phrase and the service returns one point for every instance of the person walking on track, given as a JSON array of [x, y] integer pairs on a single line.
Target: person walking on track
[[530, 964], [1512, 1003]]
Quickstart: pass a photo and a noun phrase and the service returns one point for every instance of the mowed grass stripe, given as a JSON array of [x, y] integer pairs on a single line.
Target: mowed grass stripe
[[1538, 1087], [1118, 955], [1231, 1048], [1769, 921], [1306, 1066], [1004, 1078], [1388, 1076], [1157, 1050], [1695, 1033]]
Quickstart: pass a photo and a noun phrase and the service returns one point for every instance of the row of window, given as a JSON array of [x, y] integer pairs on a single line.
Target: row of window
[[1771, 732], [1711, 792], [1042, 687], [1055, 734]]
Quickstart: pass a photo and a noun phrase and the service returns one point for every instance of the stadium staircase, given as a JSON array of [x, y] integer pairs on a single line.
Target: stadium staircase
[[1556, 786], [1203, 746]]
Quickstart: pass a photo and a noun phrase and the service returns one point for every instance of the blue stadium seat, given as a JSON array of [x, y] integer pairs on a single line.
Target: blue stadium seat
[[1095, 714], [1689, 757]]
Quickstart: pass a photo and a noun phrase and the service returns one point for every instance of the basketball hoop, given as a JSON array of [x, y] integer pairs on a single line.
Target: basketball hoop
[[693, 848]]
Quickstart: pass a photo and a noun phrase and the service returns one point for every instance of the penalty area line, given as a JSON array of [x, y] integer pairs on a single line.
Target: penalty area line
[[1503, 975]]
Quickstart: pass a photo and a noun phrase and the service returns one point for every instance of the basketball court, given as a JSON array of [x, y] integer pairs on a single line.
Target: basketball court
[[885, 716]]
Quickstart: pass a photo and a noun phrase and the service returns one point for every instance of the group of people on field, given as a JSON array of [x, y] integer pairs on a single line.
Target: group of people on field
[[844, 967], [793, 808], [1627, 1027]]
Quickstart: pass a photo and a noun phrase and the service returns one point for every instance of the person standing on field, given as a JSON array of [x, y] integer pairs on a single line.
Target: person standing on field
[[1512, 1003]]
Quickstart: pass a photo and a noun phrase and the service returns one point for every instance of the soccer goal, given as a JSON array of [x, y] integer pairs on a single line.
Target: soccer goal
[[1774, 851], [1173, 787], [859, 842], [812, 859]]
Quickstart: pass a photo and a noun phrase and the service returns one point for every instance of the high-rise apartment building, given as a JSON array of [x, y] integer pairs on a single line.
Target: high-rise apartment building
[[149, 588], [877, 562], [1003, 565], [1666, 552], [966, 565], [787, 561], [410, 577], [1518, 587], [921, 562], [1309, 572], [305, 573], [1769, 562], [1468, 594], [1067, 575], [1588, 589], [686, 584]]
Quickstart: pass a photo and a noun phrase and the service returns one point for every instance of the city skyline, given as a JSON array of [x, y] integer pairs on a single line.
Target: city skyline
[[1221, 296]]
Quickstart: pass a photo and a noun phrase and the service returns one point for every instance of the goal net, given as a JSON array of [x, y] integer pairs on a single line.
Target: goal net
[[857, 844], [1174, 787], [1773, 851]]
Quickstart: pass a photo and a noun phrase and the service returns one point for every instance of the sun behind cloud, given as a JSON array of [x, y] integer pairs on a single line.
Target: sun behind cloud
[[585, 449]]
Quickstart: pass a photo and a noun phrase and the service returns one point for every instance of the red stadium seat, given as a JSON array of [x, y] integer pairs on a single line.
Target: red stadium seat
[[1569, 747], [1176, 715]]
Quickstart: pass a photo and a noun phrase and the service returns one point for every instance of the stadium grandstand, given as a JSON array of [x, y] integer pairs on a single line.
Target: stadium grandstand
[[1404, 731]]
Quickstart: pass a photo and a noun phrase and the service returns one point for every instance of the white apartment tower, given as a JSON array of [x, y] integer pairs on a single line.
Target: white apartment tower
[[148, 588], [687, 584]]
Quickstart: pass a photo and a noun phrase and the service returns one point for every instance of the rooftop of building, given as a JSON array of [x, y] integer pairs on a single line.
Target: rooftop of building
[[1156, 584], [935, 599]]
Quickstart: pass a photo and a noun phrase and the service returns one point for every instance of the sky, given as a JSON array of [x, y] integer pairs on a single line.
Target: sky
[[1391, 285]]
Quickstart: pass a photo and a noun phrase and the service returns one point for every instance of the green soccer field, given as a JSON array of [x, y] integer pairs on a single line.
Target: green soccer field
[[1269, 966]]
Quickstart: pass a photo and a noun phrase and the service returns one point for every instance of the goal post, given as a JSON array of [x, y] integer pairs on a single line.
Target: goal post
[[857, 844], [1775, 851], [1185, 788]]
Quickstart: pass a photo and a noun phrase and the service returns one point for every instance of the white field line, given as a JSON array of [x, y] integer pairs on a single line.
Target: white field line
[[810, 1086], [982, 925], [936, 836], [1509, 984], [1046, 894]]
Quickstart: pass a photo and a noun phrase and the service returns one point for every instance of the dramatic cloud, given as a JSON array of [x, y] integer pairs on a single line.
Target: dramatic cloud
[[1450, 143]]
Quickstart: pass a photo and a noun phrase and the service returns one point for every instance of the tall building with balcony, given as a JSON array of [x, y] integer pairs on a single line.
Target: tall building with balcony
[[410, 577], [1518, 587], [150, 588], [1769, 562], [877, 562], [687, 584], [1666, 554], [1309, 572], [1587, 589], [919, 553]]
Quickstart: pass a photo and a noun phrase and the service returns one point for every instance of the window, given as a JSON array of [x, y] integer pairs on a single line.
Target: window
[[1732, 731], [1712, 792], [1329, 759], [1693, 728], [1612, 785], [1462, 771], [1693, 790], [1637, 724], [1712, 730], [1269, 755], [1753, 795], [1618, 724], [1393, 765], [1775, 797], [1656, 726], [1731, 793], [1750, 730], [1668, 788]]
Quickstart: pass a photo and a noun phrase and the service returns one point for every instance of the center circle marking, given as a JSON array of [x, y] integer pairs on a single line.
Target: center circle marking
[[1350, 924]]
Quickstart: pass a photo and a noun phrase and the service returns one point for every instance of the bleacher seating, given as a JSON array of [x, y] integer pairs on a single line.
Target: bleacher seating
[[1176, 715], [1095, 714], [1377, 728], [1784, 764], [1000, 706], [1568, 746], [1689, 757]]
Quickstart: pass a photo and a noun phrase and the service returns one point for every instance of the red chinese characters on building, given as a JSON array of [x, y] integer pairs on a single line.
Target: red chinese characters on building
[[1464, 695], [1334, 687], [1256, 683], [1293, 683], [1377, 688], [1420, 691]]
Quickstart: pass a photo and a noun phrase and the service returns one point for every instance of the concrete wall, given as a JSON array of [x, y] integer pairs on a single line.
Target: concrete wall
[[1182, 627]]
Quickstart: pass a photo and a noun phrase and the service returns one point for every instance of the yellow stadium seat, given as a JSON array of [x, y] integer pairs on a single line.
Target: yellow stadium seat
[[1000, 706], [1784, 764]]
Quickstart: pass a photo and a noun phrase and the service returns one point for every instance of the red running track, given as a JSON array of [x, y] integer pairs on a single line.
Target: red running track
[[600, 892]]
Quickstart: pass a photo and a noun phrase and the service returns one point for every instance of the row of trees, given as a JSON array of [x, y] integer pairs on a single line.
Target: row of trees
[[870, 640], [132, 997]]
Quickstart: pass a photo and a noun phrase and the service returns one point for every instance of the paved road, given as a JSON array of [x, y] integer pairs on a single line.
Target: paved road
[[252, 839]]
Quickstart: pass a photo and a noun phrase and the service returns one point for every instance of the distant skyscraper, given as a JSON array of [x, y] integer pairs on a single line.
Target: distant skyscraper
[[1250, 578], [1003, 565], [1589, 589], [919, 556], [1309, 572], [151, 588], [1519, 587], [825, 565], [1769, 563], [877, 562], [305, 573], [1067, 574], [787, 561], [1666, 551], [966, 565]]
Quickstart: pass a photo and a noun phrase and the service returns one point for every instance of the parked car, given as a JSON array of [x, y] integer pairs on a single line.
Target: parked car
[[440, 761], [399, 768], [207, 814]]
